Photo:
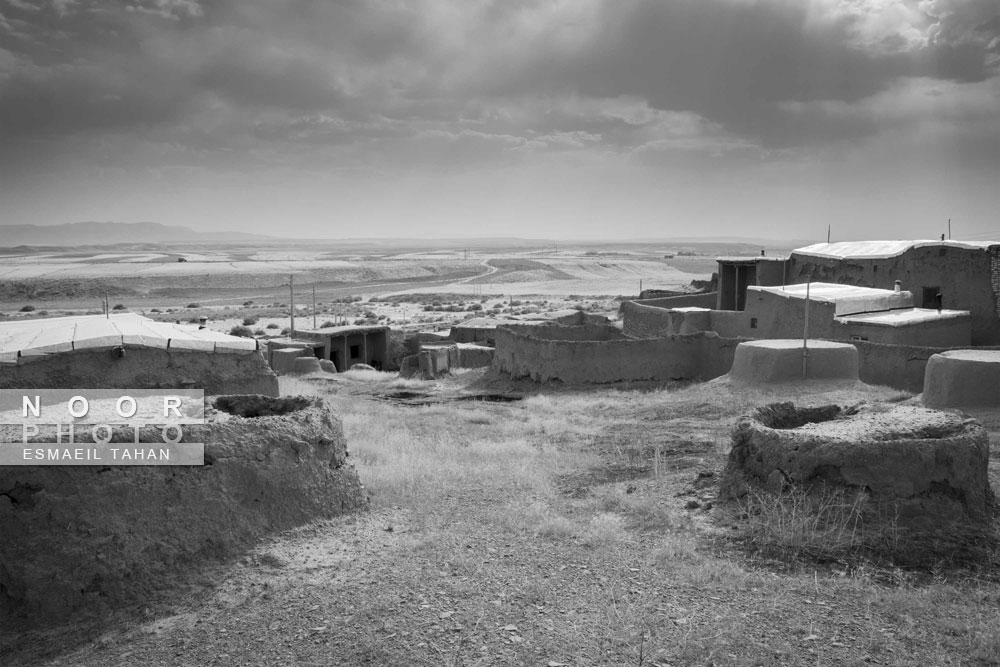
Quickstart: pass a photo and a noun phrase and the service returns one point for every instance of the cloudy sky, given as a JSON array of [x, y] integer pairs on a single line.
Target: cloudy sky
[[539, 118]]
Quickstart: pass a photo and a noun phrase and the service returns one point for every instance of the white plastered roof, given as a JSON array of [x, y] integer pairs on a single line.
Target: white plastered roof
[[25, 339]]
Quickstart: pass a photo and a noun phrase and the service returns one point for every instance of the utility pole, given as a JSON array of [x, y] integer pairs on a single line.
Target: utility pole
[[828, 233], [314, 306], [805, 335], [291, 305], [949, 229]]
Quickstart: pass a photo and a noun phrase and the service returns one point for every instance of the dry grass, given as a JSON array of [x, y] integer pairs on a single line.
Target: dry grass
[[556, 530]]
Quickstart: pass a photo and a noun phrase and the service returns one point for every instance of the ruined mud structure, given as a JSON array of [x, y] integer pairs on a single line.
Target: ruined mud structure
[[925, 469], [82, 539], [129, 351]]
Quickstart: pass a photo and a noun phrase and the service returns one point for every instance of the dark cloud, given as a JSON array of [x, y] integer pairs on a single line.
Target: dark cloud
[[483, 75]]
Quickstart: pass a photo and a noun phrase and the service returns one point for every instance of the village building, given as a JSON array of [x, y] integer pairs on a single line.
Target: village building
[[129, 351], [348, 345]]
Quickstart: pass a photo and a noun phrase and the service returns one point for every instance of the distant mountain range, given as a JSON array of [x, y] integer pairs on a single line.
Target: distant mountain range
[[109, 233], [98, 234]]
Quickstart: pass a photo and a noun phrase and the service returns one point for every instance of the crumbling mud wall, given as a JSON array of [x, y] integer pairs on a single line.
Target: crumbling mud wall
[[923, 468], [589, 332], [696, 356], [145, 368], [79, 540]]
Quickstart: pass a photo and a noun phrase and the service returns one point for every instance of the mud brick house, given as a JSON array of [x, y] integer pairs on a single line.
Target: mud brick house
[[129, 351], [349, 345]]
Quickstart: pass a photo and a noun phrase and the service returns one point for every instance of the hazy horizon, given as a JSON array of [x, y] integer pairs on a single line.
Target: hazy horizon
[[572, 119]]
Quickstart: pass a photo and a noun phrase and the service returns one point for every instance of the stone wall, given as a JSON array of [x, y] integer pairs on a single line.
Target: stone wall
[[145, 368]]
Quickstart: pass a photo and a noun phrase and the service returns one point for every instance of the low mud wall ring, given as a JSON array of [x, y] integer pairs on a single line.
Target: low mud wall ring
[[79, 540], [927, 468]]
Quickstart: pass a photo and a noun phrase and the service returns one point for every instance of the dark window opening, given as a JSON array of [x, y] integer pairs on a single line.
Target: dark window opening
[[355, 351], [930, 297], [753, 322]]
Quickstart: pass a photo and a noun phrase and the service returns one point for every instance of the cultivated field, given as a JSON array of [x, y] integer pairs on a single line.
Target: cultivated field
[[566, 528], [400, 286]]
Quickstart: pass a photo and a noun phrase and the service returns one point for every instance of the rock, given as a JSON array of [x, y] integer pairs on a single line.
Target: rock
[[305, 365], [327, 366], [409, 366], [79, 540], [362, 367], [930, 467]]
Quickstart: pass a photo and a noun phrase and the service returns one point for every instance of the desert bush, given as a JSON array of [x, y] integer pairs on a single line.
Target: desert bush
[[244, 332], [27, 309], [329, 323], [156, 310], [476, 306], [249, 321], [272, 325], [119, 306], [248, 303], [193, 305], [259, 332], [286, 331]]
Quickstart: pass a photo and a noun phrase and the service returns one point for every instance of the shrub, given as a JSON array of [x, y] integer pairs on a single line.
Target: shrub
[[248, 303], [27, 309], [242, 331], [272, 325], [156, 310], [329, 323], [193, 305], [119, 306], [259, 332], [476, 306], [249, 321], [286, 331]]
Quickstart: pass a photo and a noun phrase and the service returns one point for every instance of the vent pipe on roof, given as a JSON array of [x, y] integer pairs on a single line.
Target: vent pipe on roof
[[898, 286]]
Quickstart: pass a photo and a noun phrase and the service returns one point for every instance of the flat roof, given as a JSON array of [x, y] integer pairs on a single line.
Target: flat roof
[[24, 339], [849, 299], [750, 259], [904, 317], [343, 330], [881, 249]]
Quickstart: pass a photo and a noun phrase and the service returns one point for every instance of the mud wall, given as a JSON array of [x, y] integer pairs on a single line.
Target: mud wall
[[643, 320], [80, 540], [899, 366], [963, 276], [145, 368], [564, 332], [692, 356], [951, 332], [701, 300]]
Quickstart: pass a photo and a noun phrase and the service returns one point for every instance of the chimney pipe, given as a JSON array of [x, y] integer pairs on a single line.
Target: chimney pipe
[[898, 286]]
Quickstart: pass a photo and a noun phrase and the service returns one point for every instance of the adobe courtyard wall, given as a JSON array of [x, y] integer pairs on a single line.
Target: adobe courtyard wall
[[145, 368], [519, 354]]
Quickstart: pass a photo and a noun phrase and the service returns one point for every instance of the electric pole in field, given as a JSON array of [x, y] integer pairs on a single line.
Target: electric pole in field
[[291, 305]]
